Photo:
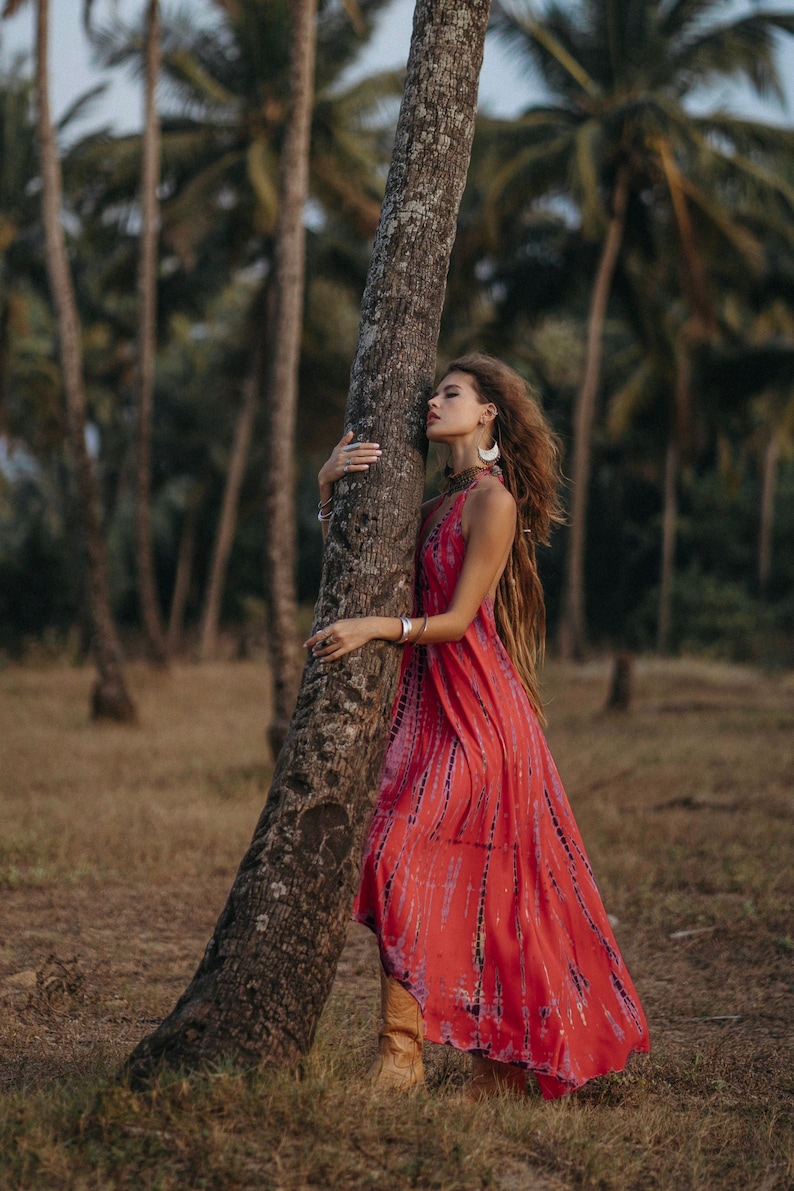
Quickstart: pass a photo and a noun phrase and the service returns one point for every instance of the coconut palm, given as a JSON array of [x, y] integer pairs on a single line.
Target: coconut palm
[[147, 336], [225, 101], [110, 698], [147, 325], [227, 91], [756, 365], [290, 258], [286, 918], [616, 139], [686, 388], [20, 217]]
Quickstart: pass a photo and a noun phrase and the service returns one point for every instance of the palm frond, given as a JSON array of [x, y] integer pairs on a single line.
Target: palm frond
[[743, 48], [587, 176], [768, 180], [731, 230], [747, 136], [631, 398], [81, 106], [187, 69], [11, 7], [263, 175], [549, 45], [678, 18]]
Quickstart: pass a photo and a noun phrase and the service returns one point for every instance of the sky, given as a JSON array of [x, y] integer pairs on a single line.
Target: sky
[[504, 90]]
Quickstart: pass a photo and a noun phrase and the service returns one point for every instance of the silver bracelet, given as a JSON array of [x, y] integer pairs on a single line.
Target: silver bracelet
[[407, 626]]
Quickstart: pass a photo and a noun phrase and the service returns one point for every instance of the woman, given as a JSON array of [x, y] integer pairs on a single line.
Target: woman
[[492, 934]]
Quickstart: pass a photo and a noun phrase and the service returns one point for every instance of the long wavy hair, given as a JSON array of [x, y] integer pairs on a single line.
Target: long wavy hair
[[530, 463]]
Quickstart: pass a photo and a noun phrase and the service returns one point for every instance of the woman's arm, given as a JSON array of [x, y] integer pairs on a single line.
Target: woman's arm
[[489, 524], [347, 456]]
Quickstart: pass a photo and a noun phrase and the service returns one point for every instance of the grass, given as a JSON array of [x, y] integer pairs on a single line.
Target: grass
[[117, 849]]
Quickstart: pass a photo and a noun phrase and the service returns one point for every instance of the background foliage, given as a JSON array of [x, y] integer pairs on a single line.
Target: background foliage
[[520, 284]]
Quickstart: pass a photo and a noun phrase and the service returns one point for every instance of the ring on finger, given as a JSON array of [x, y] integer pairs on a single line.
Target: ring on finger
[[345, 468]]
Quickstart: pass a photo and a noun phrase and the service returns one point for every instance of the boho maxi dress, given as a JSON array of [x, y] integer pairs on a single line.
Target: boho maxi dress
[[475, 879]]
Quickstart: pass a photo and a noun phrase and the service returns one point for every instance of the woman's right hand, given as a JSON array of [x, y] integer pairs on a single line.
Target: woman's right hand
[[347, 456]]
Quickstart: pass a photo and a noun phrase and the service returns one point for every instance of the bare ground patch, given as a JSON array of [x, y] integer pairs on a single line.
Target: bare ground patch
[[117, 852]]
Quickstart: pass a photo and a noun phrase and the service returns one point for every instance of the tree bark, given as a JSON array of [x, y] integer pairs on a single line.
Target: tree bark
[[572, 634], [269, 966], [147, 342], [621, 685], [669, 526], [227, 521], [109, 698], [767, 520], [280, 524]]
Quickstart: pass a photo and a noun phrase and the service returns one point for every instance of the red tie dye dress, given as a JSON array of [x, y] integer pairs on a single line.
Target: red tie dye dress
[[475, 879]]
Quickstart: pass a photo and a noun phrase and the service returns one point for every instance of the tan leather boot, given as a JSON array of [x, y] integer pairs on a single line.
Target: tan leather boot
[[489, 1078], [399, 1064]]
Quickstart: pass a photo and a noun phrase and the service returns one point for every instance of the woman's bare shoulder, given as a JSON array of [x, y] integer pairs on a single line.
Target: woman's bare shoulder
[[491, 498], [489, 506]]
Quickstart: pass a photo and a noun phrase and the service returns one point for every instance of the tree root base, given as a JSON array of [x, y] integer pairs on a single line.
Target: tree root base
[[110, 701]]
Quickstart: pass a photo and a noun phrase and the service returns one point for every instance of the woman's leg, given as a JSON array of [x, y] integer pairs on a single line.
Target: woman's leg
[[399, 1064], [489, 1078]]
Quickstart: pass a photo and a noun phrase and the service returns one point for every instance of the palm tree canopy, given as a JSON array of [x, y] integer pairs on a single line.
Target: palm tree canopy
[[225, 94], [620, 74]]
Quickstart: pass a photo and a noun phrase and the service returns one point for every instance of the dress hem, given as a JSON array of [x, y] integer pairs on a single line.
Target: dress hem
[[552, 1087]]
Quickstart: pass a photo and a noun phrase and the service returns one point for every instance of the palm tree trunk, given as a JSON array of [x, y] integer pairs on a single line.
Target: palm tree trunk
[[767, 521], [679, 437], [286, 660], [266, 974], [227, 521], [669, 526], [147, 341], [110, 698], [184, 571], [5, 330], [572, 637]]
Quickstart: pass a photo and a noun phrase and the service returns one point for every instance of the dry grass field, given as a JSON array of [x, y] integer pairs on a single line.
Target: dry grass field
[[117, 849]]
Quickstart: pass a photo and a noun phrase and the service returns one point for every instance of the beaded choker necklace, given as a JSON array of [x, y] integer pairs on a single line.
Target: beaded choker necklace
[[461, 479]]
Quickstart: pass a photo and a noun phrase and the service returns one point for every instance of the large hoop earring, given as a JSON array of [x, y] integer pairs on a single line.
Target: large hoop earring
[[490, 454]]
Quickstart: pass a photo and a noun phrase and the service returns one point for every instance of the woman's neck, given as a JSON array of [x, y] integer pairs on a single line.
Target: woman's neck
[[459, 481], [462, 458]]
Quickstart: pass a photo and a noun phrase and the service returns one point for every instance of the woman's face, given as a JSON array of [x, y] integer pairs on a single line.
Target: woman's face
[[455, 410]]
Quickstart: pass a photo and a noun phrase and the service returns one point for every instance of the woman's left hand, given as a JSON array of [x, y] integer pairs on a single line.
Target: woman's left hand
[[347, 456], [343, 636]]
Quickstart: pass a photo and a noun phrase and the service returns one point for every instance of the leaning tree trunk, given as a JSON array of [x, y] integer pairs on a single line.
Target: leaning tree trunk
[[269, 966], [572, 635], [280, 525], [109, 699], [147, 341], [227, 519]]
